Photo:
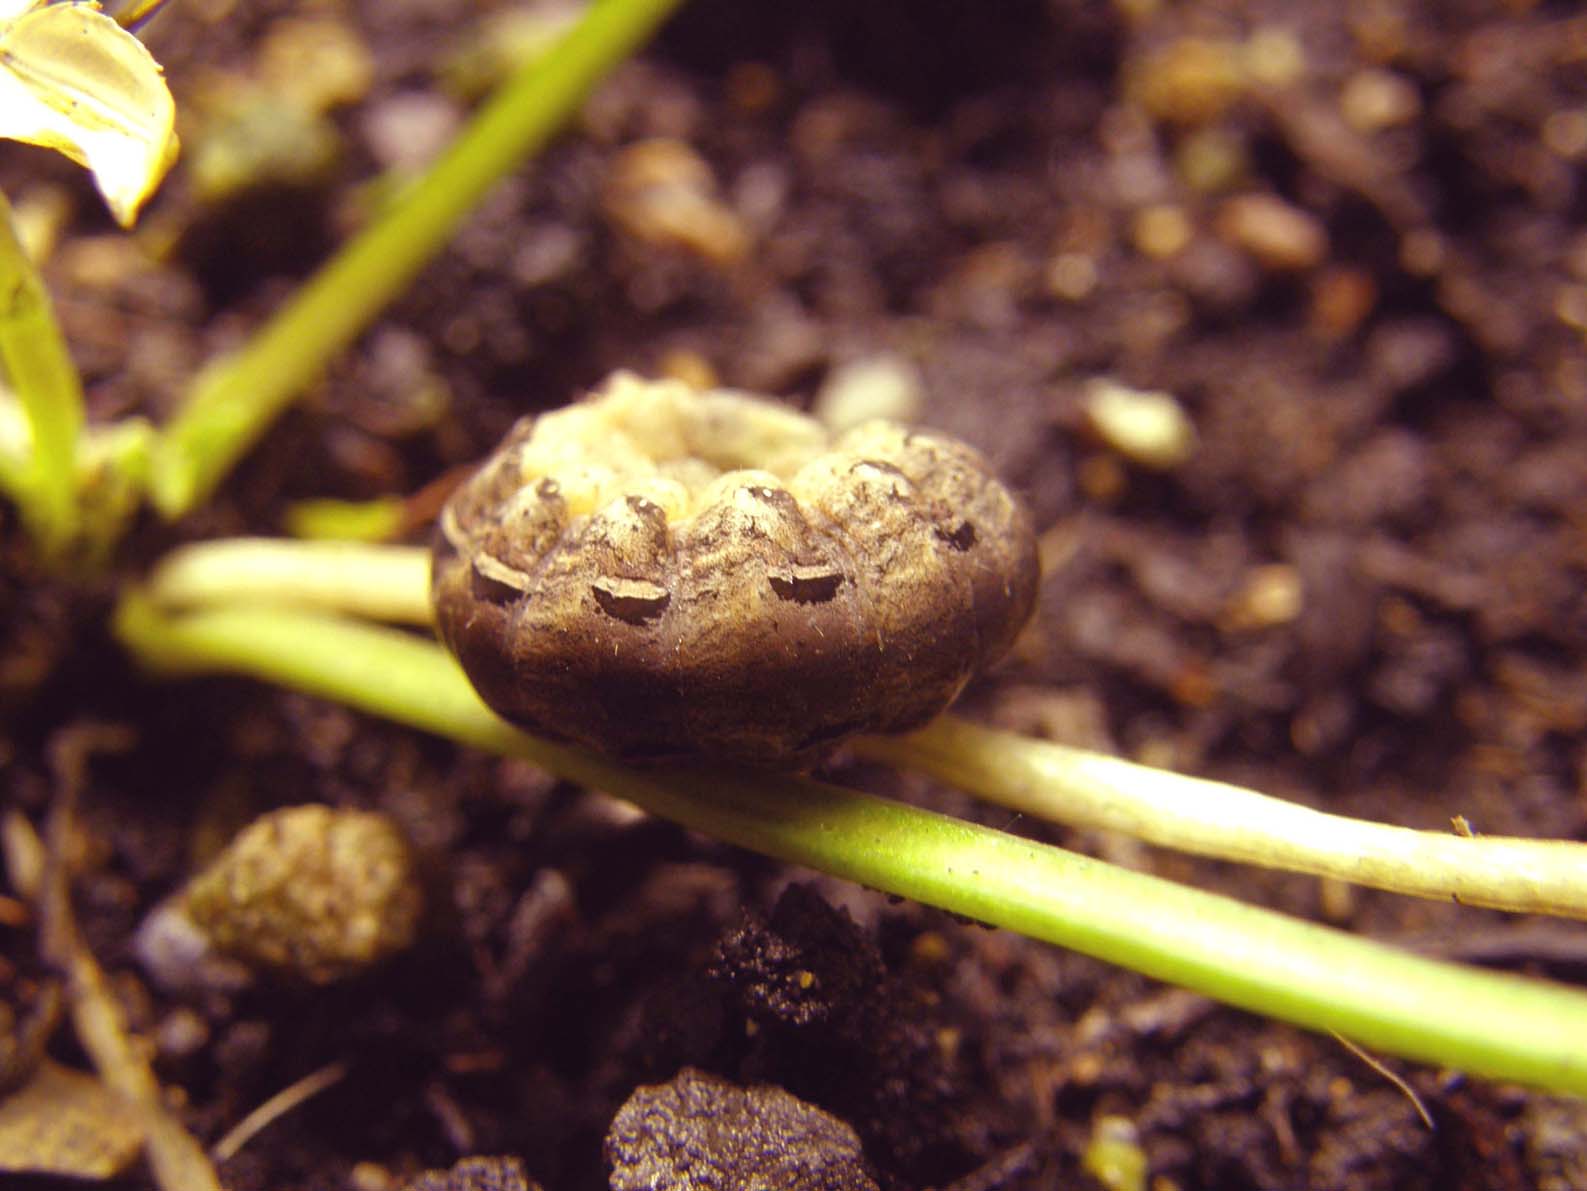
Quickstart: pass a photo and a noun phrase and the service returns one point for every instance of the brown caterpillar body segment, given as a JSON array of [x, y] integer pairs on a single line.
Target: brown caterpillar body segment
[[662, 574]]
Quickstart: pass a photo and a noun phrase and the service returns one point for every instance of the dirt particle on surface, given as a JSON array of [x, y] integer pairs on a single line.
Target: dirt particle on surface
[[702, 1133]]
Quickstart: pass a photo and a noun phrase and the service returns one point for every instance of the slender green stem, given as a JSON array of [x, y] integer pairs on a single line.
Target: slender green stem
[[235, 398], [16, 469], [40, 371], [377, 520], [1480, 1022], [1046, 780], [1211, 818]]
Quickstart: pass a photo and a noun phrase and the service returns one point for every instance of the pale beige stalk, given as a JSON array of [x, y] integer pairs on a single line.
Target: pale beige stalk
[[1211, 818], [390, 583]]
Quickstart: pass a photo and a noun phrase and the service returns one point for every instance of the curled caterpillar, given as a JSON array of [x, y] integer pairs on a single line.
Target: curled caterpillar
[[663, 574]]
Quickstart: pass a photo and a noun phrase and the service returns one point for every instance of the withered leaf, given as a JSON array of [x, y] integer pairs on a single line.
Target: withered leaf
[[63, 1122]]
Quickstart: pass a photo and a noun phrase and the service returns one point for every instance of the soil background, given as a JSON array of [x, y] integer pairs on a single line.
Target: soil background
[[1350, 240]]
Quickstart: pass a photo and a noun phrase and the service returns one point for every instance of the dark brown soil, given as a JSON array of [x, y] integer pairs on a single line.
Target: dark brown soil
[[1390, 398]]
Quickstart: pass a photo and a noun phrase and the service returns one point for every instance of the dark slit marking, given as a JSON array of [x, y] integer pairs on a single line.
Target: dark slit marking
[[632, 601], [960, 539], [806, 585], [493, 591]]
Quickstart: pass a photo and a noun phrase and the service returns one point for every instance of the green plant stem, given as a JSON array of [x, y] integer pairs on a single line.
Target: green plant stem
[[1210, 818], [235, 398], [1049, 781], [347, 520], [389, 583], [1480, 1022], [16, 470], [40, 372]]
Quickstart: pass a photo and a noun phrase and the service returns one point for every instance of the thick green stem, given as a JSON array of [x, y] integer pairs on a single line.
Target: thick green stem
[[39, 370], [1479, 1022], [235, 398]]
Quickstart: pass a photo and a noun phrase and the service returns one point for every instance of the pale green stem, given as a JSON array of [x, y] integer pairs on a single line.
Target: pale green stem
[[16, 473], [1210, 818], [235, 398], [382, 582], [1480, 1022], [1049, 781], [346, 520], [39, 370]]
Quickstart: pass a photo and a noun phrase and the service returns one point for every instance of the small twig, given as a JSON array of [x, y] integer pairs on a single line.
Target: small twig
[[449, 1114], [278, 1105], [176, 1160], [1393, 1077], [23, 854]]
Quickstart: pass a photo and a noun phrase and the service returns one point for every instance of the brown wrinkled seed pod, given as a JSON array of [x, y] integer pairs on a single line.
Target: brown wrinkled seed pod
[[661, 574]]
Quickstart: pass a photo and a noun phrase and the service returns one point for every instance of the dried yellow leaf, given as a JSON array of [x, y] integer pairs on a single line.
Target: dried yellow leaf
[[63, 1122], [73, 80]]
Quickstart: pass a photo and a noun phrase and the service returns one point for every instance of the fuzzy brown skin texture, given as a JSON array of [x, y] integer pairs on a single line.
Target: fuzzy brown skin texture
[[661, 574]]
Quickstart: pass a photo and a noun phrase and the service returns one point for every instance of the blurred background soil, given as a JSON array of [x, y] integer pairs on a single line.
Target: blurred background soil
[[1345, 244]]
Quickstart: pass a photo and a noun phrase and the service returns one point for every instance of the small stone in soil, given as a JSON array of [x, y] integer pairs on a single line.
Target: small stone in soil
[[476, 1174], [700, 1133]]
